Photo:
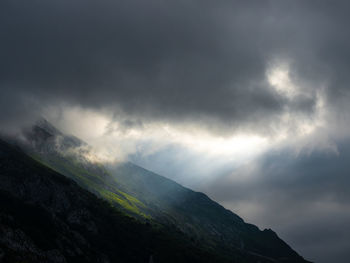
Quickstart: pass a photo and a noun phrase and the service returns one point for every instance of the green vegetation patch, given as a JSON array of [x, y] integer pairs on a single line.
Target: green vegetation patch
[[95, 183]]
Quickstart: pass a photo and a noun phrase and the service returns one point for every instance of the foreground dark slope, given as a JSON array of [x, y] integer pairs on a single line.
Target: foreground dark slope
[[204, 220], [146, 195], [45, 217]]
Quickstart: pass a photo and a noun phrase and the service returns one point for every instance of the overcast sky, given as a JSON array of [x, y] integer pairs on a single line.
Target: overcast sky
[[247, 101]]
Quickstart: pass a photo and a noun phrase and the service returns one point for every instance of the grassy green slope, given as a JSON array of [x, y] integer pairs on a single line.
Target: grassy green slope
[[96, 180]]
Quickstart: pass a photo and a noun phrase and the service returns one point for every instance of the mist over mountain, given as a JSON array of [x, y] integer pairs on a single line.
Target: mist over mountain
[[46, 217], [147, 197], [245, 101]]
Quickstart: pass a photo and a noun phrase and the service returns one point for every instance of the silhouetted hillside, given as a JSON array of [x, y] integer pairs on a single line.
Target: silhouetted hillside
[[156, 201]]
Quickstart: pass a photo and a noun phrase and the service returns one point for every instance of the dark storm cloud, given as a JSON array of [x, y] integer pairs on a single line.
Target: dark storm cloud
[[305, 198], [176, 60], [202, 62]]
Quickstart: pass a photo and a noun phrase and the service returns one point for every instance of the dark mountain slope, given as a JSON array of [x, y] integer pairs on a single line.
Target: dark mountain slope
[[45, 217], [69, 156], [149, 196], [200, 217]]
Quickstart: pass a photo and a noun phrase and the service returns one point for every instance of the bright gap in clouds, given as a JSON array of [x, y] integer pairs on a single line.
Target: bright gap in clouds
[[115, 139], [278, 77], [111, 138]]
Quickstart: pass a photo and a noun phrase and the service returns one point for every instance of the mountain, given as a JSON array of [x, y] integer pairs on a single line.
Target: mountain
[[149, 197], [46, 217], [195, 214]]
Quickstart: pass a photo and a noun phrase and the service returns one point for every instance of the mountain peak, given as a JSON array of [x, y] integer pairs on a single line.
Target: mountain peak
[[47, 126]]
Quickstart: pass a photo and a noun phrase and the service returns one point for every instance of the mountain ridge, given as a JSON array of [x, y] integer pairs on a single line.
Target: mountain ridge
[[148, 196], [46, 217]]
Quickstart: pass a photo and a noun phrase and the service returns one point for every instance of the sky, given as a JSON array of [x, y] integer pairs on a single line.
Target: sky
[[247, 101]]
